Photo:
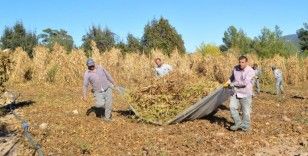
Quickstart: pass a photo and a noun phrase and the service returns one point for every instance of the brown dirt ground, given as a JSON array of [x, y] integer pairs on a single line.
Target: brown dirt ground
[[279, 127]]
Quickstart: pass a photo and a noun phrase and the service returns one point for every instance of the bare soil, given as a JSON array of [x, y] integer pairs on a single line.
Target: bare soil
[[279, 127]]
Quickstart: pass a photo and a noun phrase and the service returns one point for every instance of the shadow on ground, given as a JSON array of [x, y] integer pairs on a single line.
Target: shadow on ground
[[7, 108], [126, 113]]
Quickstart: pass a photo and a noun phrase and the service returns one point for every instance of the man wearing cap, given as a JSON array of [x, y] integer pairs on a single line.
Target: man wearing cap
[[102, 84], [279, 80], [242, 82]]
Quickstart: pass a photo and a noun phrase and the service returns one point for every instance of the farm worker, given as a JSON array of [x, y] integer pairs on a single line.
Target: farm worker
[[257, 76], [279, 80], [242, 81], [162, 69], [102, 84]]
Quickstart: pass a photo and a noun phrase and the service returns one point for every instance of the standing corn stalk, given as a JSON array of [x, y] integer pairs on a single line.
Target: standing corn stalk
[[5, 67]]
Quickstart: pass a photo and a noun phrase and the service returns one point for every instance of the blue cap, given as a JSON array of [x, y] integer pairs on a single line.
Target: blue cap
[[90, 62]]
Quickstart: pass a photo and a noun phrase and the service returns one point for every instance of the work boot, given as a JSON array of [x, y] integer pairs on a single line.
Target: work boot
[[89, 111], [99, 112], [235, 127]]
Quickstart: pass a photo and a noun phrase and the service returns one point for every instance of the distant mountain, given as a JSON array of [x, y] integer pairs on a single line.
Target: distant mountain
[[291, 38]]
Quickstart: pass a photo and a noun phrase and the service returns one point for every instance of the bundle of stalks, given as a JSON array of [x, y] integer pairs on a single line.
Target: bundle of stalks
[[181, 62], [22, 68], [57, 69], [160, 100], [95, 53], [267, 76], [77, 65], [293, 70], [199, 63], [40, 60], [253, 59], [135, 69], [5, 67], [305, 66], [111, 59], [223, 66]]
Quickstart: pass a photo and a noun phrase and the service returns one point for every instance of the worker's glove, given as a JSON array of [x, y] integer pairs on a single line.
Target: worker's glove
[[231, 85], [226, 85], [120, 89]]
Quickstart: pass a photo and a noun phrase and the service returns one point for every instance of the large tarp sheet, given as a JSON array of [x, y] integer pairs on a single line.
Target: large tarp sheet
[[202, 108]]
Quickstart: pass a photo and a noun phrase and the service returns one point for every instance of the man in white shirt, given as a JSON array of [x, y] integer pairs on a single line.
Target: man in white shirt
[[256, 77], [279, 80], [162, 69]]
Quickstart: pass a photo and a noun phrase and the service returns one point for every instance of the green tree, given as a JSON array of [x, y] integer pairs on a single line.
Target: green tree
[[270, 43], [160, 34], [237, 39], [17, 36], [104, 39], [133, 44], [223, 48], [305, 53], [302, 34], [230, 36], [208, 49], [51, 36], [123, 47]]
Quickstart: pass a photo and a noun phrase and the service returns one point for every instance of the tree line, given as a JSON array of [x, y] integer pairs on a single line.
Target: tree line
[[158, 34], [267, 44]]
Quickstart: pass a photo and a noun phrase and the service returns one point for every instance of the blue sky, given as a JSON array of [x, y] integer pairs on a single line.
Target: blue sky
[[196, 20]]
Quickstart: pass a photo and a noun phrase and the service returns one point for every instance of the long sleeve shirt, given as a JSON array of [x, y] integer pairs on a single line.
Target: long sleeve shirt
[[242, 80], [99, 79], [257, 72], [163, 70], [278, 74]]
